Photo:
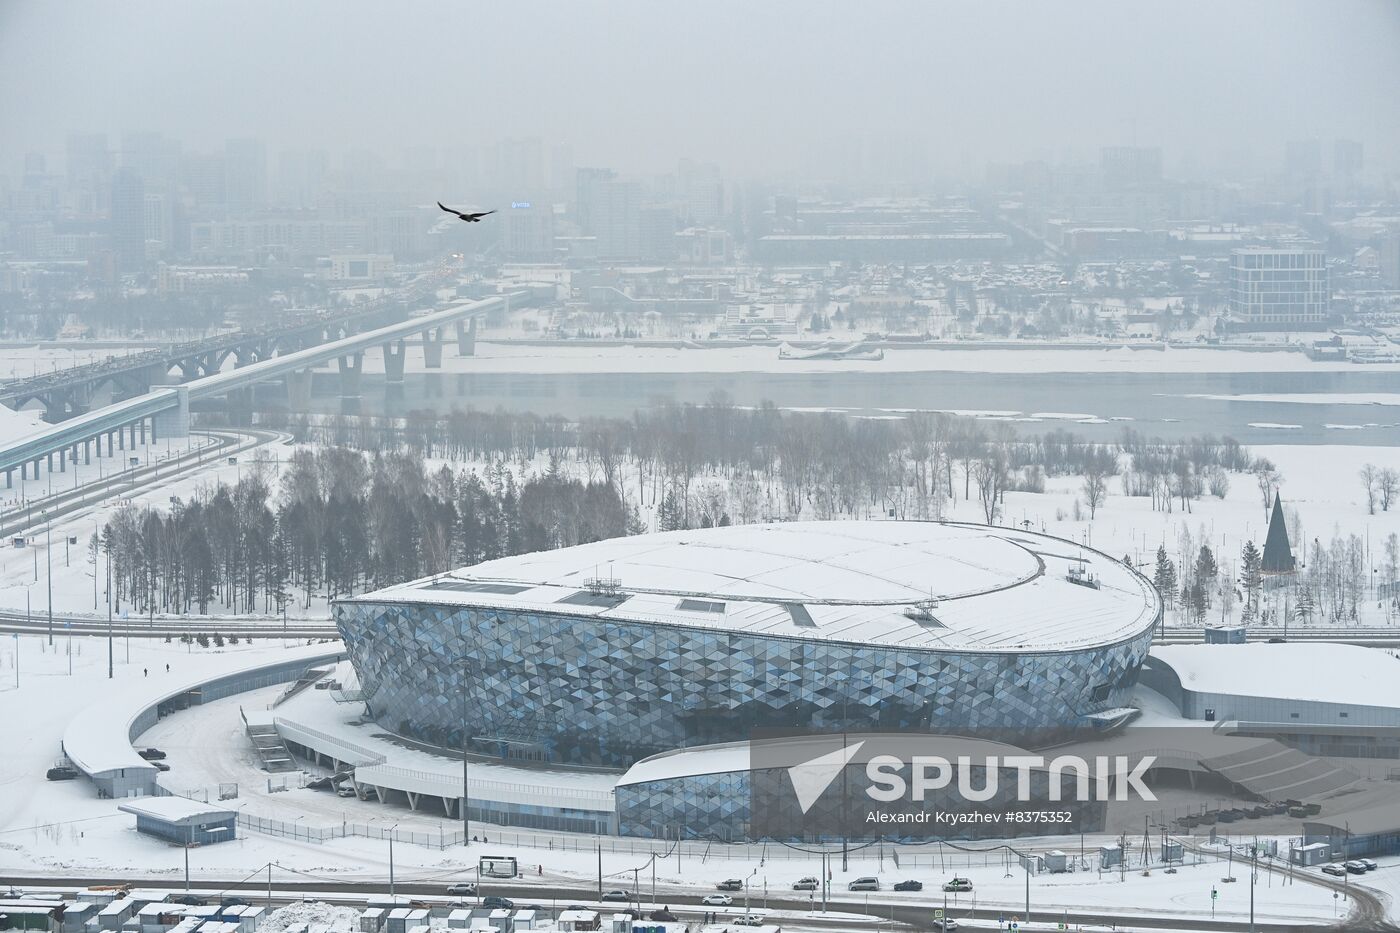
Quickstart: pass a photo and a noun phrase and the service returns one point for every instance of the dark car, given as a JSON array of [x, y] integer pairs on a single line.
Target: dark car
[[233, 901], [662, 915], [909, 886], [498, 903], [61, 773], [733, 884], [189, 900], [152, 754], [161, 766], [616, 896]]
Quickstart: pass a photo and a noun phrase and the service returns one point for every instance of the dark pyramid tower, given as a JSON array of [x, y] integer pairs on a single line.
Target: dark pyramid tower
[[1278, 555]]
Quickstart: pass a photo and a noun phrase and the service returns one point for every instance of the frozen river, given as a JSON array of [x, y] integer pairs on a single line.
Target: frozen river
[[1094, 404]]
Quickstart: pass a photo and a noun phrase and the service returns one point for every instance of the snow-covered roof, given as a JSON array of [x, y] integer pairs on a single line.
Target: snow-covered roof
[[1308, 672], [920, 585], [174, 809], [98, 739]]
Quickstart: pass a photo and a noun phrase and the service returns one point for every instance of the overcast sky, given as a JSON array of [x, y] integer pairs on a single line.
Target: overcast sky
[[757, 87]]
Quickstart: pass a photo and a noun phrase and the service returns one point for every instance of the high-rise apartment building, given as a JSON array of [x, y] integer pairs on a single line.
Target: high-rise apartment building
[[1278, 289], [128, 220], [618, 221]]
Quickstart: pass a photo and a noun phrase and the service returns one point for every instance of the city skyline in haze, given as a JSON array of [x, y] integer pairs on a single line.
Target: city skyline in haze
[[778, 89]]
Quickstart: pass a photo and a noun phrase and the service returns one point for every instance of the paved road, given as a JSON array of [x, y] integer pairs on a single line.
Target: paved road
[[1368, 912], [131, 481]]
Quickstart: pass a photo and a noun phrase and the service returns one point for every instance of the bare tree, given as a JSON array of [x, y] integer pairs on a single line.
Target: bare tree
[[1369, 475], [1267, 476], [1387, 484], [1095, 491]]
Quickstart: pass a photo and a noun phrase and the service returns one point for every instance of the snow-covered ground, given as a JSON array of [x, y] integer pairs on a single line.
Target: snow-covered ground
[[28, 360], [62, 827], [1319, 482]]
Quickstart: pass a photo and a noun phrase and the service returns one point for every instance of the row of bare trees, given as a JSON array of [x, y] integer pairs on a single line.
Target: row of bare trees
[[787, 464], [340, 522]]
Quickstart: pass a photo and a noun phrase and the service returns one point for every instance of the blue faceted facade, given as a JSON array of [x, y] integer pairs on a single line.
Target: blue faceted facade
[[577, 689]]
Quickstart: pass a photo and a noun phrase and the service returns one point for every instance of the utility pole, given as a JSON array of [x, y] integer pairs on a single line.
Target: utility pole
[[466, 793], [269, 886], [600, 869], [110, 649], [391, 863], [187, 868], [48, 561]]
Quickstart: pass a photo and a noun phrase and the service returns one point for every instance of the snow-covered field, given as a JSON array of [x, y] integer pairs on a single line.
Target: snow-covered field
[[1320, 483]]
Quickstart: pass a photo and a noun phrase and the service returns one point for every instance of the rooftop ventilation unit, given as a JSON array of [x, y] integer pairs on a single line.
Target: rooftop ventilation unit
[[611, 586], [922, 613]]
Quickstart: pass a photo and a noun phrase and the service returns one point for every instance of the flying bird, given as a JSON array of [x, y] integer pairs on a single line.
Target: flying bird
[[469, 218]]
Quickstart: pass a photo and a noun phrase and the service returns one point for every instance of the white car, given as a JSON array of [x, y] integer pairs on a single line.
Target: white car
[[1333, 869], [717, 900]]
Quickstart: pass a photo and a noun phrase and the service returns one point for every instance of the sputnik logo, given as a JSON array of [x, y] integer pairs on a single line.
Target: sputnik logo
[[810, 779]]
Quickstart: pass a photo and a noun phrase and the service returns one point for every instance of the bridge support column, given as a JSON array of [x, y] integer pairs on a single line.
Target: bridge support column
[[87, 452], [174, 422], [141, 425], [9, 479], [432, 348], [298, 383], [240, 405], [350, 367], [466, 337], [393, 361]]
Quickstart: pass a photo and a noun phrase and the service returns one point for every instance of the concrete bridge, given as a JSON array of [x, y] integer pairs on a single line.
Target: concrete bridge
[[70, 392], [164, 411]]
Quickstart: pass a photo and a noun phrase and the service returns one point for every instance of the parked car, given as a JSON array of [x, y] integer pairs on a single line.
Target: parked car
[[345, 790], [867, 883], [662, 915], [233, 901], [948, 924], [189, 900], [1355, 867], [161, 766], [958, 884], [498, 903], [152, 754], [618, 895], [733, 884], [717, 900], [806, 884], [61, 773], [462, 889], [749, 920], [910, 885], [1370, 863], [1334, 869]]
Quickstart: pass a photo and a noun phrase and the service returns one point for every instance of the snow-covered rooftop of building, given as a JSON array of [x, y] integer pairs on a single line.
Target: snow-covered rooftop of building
[[98, 739], [174, 809], [920, 585], [1309, 672]]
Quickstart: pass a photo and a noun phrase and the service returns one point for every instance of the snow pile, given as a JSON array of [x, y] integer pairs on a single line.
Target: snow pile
[[17, 424], [317, 915]]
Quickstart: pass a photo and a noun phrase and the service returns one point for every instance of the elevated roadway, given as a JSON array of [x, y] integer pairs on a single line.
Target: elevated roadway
[[164, 411]]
